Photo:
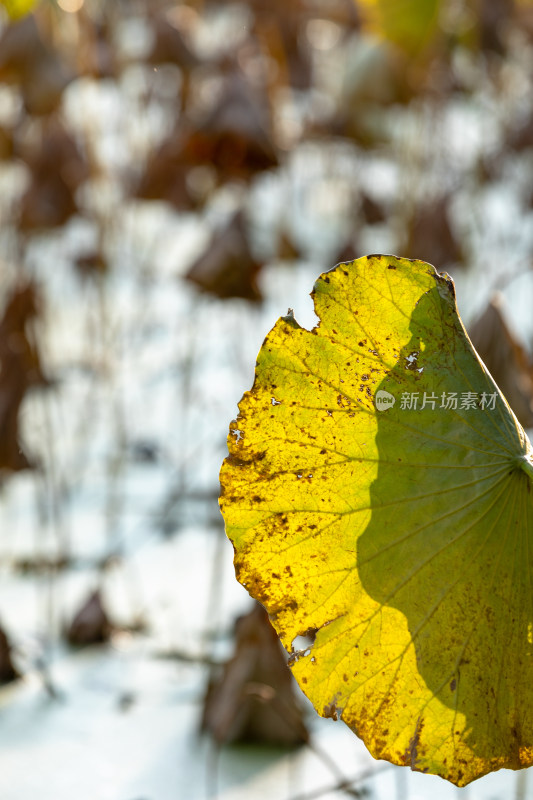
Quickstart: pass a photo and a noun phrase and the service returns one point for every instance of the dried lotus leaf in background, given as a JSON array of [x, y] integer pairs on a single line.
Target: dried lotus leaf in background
[[506, 359], [253, 698]]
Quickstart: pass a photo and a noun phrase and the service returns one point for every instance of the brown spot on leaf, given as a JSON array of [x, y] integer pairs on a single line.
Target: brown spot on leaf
[[330, 710], [412, 750]]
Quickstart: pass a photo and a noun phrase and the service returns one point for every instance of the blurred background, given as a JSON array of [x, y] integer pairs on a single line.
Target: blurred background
[[173, 177]]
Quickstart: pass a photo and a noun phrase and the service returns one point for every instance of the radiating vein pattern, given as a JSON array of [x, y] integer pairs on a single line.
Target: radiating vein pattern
[[398, 535]]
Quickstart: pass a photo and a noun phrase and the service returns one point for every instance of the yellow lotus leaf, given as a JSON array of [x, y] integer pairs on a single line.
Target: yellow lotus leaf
[[410, 24], [378, 494], [18, 8]]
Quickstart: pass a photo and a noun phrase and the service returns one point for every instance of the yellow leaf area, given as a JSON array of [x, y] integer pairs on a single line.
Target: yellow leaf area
[[399, 535], [410, 24], [18, 8]]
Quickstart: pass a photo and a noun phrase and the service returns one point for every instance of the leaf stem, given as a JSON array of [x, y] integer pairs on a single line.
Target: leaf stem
[[526, 463]]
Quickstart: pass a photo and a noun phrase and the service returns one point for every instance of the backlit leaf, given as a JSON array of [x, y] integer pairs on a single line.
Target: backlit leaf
[[18, 8], [394, 538], [410, 24]]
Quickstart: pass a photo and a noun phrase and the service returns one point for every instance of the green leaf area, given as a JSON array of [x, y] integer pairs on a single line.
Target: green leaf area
[[378, 496]]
